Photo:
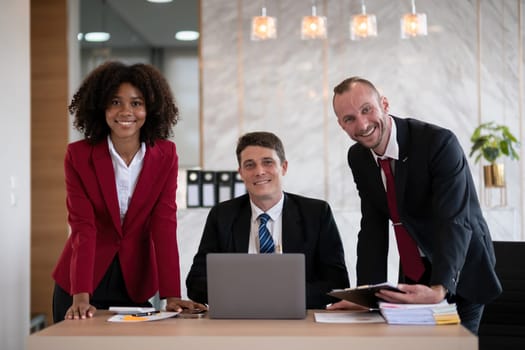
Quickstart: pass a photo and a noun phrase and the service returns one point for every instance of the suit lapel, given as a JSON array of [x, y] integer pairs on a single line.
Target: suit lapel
[[292, 232], [401, 164], [241, 228], [106, 179], [369, 176], [145, 188]]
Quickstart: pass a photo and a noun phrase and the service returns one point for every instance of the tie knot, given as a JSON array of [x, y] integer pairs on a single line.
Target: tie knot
[[383, 162], [263, 218], [385, 165]]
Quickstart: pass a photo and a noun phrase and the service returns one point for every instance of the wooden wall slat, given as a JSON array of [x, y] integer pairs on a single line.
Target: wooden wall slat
[[49, 138]]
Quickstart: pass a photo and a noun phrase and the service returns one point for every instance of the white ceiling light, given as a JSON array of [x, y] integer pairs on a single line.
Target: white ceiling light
[[159, 1], [187, 35], [97, 37]]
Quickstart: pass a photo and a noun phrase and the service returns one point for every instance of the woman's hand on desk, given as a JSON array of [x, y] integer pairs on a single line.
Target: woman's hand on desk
[[81, 308], [177, 304], [345, 305]]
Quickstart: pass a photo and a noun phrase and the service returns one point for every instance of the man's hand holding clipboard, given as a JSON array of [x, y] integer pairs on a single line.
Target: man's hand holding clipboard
[[363, 297]]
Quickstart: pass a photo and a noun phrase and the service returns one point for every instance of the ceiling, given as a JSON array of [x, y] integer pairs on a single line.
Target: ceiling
[[139, 23]]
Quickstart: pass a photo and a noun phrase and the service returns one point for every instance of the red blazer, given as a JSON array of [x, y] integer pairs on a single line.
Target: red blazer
[[146, 241]]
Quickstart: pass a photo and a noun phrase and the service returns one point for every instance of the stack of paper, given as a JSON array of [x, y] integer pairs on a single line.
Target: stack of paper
[[429, 314]]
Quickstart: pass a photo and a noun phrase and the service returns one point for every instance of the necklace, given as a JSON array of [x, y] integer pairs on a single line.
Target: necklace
[[128, 157]]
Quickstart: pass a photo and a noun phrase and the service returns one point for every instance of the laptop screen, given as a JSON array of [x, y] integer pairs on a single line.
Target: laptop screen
[[266, 286]]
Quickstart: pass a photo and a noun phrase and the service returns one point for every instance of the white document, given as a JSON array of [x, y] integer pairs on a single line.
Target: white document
[[348, 317]]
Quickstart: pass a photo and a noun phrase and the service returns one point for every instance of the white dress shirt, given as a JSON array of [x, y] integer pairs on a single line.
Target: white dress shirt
[[126, 176], [274, 226]]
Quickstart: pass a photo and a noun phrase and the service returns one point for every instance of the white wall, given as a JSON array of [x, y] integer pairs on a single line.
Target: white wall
[[15, 174]]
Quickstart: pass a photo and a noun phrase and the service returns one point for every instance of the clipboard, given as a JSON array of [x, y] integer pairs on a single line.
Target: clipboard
[[364, 295]]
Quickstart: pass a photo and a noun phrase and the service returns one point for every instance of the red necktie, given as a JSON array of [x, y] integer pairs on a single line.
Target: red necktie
[[411, 261]]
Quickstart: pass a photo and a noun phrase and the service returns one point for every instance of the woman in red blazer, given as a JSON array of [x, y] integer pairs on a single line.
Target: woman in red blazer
[[120, 181]]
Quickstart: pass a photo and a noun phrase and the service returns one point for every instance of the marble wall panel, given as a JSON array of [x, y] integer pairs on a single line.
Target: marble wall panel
[[466, 71], [500, 81]]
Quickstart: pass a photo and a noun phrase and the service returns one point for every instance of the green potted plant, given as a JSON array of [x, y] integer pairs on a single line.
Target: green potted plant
[[492, 141]]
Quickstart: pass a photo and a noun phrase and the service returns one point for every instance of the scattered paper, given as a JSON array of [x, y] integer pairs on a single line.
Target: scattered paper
[[130, 318], [348, 317]]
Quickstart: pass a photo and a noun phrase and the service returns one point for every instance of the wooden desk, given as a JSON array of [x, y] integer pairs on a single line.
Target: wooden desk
[[97, 334]]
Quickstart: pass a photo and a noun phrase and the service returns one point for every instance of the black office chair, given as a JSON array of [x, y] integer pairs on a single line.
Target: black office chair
[[502, 326]]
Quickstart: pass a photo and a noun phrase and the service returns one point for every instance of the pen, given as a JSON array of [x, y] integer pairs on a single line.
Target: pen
[[149, 313]]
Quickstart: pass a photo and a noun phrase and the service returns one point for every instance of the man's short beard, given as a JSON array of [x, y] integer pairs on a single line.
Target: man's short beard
[[379, 140]]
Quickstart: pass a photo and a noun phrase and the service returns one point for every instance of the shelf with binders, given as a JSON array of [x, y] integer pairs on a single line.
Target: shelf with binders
[[206, 188]]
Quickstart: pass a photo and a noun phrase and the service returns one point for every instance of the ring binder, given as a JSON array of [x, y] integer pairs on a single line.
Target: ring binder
[[193, 194], [208, 184], [224, 186], [238, 185]]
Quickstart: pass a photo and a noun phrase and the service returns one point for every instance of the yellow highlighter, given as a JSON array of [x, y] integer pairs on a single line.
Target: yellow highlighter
[[134, 318]]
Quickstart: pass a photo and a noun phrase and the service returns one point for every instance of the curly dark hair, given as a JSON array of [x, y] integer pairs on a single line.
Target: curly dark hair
[[96, 91]]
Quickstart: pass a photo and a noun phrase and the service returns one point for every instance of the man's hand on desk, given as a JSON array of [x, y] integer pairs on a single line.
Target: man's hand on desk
[[345, 305], [81, 308], [414, 294], [177, 304]]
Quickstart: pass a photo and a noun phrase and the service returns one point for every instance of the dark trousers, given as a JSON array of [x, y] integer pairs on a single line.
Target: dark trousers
[[111, 291], [469, 313]]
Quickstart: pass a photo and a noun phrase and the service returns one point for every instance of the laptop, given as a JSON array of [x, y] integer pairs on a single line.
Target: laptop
[[256, 286]]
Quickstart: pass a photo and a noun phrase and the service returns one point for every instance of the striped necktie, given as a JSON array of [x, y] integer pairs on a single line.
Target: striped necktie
[[265, 238]]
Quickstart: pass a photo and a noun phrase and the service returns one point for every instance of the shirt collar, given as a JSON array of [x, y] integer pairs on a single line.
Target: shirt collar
[[274, 212], [138, 156]]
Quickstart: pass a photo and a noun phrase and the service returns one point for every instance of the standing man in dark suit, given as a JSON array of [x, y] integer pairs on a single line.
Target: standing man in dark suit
[[436, 204], [297, 224]]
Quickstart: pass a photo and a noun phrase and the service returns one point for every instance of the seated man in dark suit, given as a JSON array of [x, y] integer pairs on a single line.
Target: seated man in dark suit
[[296, 224]]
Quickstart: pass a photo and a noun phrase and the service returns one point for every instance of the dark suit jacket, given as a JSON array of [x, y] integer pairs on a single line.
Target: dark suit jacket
[[437, 204], [145, 242], [308, 227]]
